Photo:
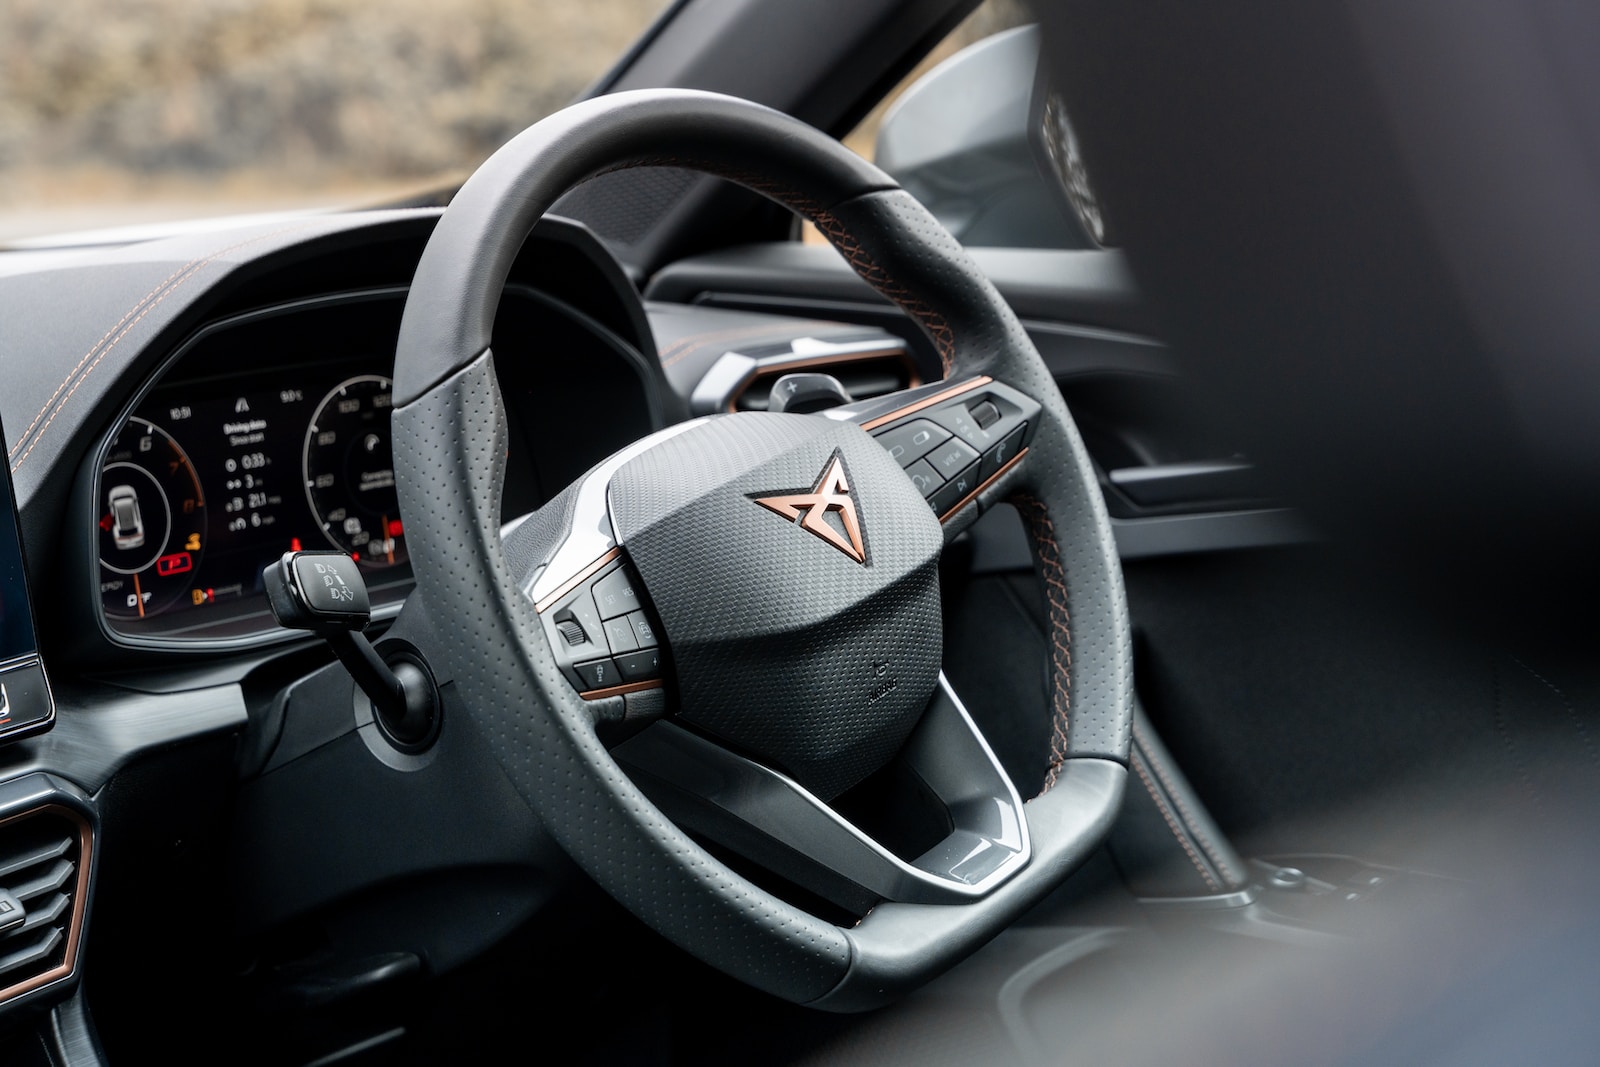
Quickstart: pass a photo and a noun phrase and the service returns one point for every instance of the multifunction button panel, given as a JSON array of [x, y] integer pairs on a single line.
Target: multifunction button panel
[[952, 448], [603, 633]]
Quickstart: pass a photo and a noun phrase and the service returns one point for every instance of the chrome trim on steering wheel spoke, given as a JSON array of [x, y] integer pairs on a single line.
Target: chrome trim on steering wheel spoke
[[591, 535], [704, 786]]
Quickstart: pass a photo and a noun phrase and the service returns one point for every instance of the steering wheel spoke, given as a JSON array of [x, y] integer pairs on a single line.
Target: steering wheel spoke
[[963, 443], [767, 816]]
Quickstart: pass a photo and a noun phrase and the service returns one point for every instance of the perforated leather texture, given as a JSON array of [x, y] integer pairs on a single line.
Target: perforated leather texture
[[897, 245], [450, 456], [781, 643], [449, 451]]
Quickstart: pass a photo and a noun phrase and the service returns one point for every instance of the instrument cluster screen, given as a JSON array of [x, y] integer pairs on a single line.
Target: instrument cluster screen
[[269, 432], [209, 482]]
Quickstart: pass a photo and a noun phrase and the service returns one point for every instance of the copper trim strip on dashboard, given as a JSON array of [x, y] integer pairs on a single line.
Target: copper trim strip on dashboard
[[576, 580], [913, 379], [927, 402], [987, 482], [80, 898], [622, 690]]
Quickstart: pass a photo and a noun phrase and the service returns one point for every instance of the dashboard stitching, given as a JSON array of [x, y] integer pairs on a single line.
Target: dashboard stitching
[[165, 289], [1137, 759], [95, 347], [1043, 533], [684, 347]]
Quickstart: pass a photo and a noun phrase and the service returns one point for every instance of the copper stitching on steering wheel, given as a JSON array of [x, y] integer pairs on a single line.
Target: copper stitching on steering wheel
[[1042, 531], [838, 235]]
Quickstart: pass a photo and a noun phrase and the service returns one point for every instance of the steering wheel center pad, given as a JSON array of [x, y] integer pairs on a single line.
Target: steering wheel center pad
[[782, 643]]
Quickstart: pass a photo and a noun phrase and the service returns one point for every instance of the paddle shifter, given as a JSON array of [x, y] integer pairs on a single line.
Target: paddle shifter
[[323, 592]]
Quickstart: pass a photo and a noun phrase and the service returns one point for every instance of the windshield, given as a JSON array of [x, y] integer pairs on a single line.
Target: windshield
[[126, 112]]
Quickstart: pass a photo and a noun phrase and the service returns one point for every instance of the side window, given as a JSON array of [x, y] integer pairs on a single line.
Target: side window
[[975, 133]]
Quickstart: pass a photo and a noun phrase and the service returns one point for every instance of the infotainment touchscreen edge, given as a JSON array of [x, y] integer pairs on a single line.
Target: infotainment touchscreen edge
[[26, 704]]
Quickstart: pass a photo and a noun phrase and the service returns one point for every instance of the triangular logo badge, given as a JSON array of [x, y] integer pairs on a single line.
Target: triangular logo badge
[[831, 493]]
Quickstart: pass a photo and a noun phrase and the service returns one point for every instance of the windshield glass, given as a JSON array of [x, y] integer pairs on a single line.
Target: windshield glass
[[124, 112]]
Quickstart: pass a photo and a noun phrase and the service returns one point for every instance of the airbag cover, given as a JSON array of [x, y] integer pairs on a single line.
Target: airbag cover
[[784, 644]]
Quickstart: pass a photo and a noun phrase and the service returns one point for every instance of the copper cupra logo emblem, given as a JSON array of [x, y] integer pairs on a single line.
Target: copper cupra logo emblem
[[831, 494]]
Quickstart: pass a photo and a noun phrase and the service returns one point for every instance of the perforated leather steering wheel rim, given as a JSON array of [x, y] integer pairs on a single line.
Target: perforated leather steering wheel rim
[[449, 430]]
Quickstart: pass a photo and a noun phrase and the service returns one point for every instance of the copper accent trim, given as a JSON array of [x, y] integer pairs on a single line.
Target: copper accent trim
[[779, 369], [80, 897], [927, 402], [622, 690], [987, 482], [576, 580], [830, 493]]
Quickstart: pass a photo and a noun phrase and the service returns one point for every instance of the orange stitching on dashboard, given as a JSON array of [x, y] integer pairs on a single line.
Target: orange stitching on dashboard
[[1043, 533], [182, 276], [684, 347], [73, 372], [1183, 842]]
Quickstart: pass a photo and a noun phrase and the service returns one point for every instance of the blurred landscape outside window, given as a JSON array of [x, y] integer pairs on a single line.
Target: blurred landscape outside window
[[126, 112]]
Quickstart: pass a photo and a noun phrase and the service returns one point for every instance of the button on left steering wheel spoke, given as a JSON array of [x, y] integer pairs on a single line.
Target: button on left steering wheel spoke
[[603, 631]]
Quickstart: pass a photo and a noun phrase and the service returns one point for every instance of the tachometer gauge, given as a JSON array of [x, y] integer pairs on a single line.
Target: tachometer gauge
[[349, 471], [152, 522]]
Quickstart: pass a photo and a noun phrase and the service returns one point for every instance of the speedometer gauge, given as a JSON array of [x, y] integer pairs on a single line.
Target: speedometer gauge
[[349, 471], [152, 521]]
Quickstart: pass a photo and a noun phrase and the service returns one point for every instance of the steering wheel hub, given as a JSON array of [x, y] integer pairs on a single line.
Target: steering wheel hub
[[783, 644]]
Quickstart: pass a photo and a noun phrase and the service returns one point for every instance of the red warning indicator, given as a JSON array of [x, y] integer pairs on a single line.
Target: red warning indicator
[[395, 528], [176, 563]]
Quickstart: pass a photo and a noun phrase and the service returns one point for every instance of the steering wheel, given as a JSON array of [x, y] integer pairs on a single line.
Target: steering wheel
[[730, 623]]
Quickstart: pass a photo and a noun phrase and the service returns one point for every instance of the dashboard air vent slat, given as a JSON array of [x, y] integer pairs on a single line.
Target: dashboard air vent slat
[[41, 950], [43, 882], [48, 851], [45, 914]]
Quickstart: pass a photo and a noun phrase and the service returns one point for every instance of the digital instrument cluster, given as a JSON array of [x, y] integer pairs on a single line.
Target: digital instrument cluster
[[208, 482], [268, 431]]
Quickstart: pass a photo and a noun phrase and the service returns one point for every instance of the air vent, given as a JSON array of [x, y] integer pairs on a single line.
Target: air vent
[[864, 375], [44, 858]]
